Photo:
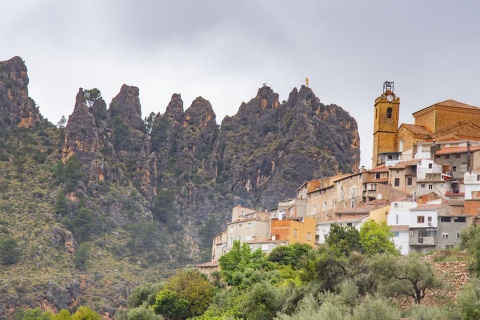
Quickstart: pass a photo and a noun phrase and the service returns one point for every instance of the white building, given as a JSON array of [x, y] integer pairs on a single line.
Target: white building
[[324, 228]]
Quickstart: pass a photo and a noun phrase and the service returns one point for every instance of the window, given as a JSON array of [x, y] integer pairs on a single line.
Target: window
[[231, 240], [458, 235], [409, 181], [447, 156], [460, 219], [422, 185], [389, 113], [396, 234], [249, 238], [240, 226], [445, 219], [295, 233], [478, 177], [309, 236], [396, 219], [397, 182], [429, 219], [457, 155], [349, 224], [264, 246], [377, 175], [420, 219], [430, 165], [239, 238], [444, 235], [249, 225], [430, 186], [454, 169]]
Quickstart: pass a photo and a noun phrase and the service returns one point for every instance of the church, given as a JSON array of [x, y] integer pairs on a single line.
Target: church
[[447, 121]]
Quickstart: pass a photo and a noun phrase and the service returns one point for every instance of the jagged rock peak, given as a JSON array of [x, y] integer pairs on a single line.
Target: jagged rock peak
[[200, 114], [81, 135], [127, 106], [16, 108], [268, 98], [175, 108]]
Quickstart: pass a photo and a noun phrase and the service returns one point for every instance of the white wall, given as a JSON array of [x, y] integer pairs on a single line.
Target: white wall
[[402, 210], [402, 241]]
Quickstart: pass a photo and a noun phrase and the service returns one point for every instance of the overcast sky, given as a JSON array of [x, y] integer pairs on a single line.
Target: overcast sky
[[225, 50]]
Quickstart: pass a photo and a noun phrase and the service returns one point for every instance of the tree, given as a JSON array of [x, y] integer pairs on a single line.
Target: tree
[[85, 313], [376, 238], [170, 305], [470, 241], [143, 313], [343, 240], [82, 223], [9, 251], [62, 315], [149, 122], [289, 255], [61, 203], [163, 205], [407, 275], [120, 134], [61, 123], [194, 287], [81, 257], [91, 96], [72, 173], [33, 314], [237, 260]]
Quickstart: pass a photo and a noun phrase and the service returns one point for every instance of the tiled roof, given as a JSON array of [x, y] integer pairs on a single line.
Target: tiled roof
[[382, 168], [455, 104], [347, 219], [416, 129], [428, 207], [210, 264], [404, 164], [400, 228], [364, 208], [456, 150]]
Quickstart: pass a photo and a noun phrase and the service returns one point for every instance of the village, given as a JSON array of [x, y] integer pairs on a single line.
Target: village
[[424, 184]]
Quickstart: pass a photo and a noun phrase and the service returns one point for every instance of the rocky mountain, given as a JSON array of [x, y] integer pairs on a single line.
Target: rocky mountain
[[145, 193]]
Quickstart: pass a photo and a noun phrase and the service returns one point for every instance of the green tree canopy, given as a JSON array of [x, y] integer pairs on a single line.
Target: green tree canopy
[[343, 240], [9, 251], [376, 238], [406, 275], [470, 241]]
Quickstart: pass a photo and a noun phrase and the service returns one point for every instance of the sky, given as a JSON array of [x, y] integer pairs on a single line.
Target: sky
[[225, 51]]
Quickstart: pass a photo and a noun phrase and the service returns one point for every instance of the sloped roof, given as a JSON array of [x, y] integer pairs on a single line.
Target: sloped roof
[[346, 219], [416, 129], [381, 168], [428, 207], [364, 207], [457, 150], [449, 103], [404, 164], [400, 228]]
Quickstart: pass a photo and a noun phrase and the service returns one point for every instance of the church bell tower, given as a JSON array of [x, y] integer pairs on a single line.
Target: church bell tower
[[385, 126]]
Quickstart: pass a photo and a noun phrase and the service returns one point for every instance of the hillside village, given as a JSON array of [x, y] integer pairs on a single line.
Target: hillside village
[[424, 183]]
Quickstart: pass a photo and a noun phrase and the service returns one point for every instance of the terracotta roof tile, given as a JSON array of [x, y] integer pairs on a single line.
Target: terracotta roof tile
[[399, 228], [210, 264], [416, 129], [407, 163], [379, 169], [456, 150], [347, 219]]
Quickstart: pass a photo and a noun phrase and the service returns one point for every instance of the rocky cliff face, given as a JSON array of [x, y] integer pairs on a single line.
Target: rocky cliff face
[[268, 149], [16, 108], [256, 158], [155, 197]]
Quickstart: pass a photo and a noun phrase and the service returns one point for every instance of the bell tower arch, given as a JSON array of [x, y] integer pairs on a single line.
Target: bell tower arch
[[385, 124]]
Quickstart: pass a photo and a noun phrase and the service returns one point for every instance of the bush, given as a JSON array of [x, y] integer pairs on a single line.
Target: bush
[[9, 251], [82, 256]]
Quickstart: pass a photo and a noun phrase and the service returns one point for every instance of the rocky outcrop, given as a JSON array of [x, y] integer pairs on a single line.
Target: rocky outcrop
[[126, 105], [81, 134], [16, 108], [268, 149]]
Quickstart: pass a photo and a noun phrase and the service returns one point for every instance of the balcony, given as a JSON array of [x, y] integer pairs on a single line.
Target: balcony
[[423, 241]]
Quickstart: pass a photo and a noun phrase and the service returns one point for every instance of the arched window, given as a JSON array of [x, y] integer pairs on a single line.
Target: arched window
[[389, 113]]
